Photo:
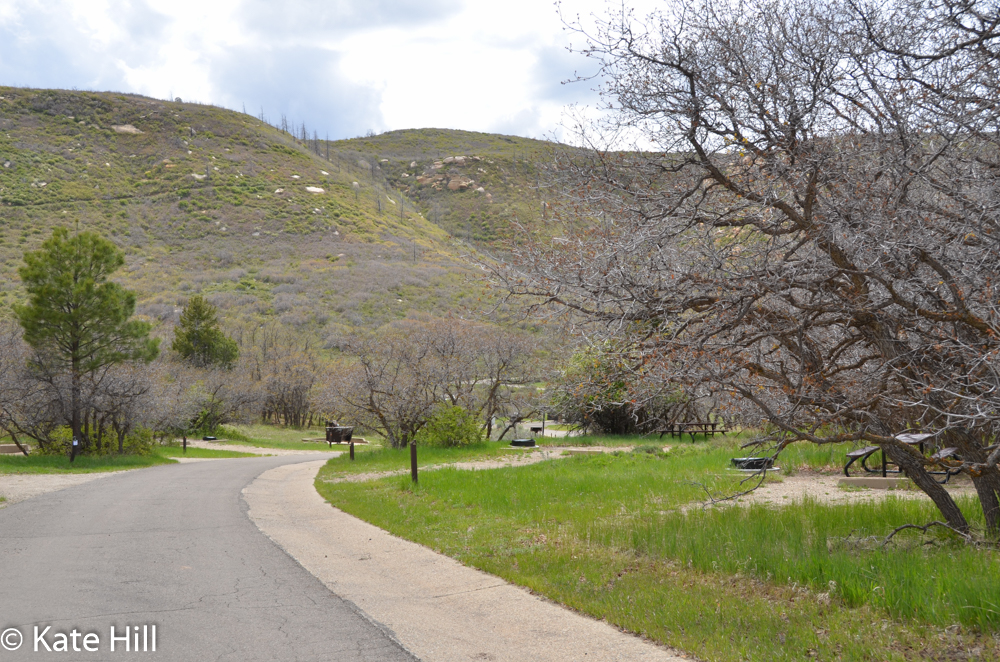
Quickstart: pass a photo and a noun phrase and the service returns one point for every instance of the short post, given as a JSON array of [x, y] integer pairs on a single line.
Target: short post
[[413, 461], [185, 443], [73, 449], [352, 450]]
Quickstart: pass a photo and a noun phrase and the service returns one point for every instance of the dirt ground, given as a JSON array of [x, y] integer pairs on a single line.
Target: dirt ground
[[240, 448], [786, 489], [18, 487]]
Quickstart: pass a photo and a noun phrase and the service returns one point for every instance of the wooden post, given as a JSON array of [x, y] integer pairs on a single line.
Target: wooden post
[[185, 442], [413, 461], [352, 450]]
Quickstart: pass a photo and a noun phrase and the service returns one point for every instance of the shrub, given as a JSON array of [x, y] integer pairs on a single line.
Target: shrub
[[449, 427]]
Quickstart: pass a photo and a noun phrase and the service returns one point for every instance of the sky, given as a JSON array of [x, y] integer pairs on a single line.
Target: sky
[[343, 67]]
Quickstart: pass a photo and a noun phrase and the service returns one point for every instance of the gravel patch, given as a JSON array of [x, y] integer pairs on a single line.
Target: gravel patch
[[824, 489], [259, 451], [18, 487]]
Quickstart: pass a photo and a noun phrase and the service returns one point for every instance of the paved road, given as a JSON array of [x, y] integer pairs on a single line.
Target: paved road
[[169, 546]]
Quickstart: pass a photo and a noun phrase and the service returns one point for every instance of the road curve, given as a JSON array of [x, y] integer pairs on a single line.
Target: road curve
[[169, 546]]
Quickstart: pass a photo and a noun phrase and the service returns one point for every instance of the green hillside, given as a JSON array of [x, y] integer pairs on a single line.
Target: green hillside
[[207, 200], [474, 185]]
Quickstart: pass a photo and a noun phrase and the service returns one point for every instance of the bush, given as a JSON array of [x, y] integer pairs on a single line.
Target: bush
[[450, 427], [58, 442], [136, 442]]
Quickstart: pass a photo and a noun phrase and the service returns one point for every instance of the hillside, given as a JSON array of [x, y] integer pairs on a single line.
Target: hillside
[[323, 237], [473, 185]]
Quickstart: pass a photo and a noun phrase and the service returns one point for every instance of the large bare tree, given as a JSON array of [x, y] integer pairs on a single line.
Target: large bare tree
[[807, 230]]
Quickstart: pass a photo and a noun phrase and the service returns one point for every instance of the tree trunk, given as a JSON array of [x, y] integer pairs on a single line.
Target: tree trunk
[[18, 444], [918, 474], [987, 483], [75, 401]]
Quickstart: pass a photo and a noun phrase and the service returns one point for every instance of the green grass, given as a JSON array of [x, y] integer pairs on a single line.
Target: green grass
[[273, 436], [375, 459], [56, 464], [606, 535]]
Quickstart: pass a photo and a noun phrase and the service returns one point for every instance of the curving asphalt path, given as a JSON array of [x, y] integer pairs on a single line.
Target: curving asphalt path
[[170, 546]]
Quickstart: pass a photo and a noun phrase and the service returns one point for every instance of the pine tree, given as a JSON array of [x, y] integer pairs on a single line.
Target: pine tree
[[75, 319], [198, 338]]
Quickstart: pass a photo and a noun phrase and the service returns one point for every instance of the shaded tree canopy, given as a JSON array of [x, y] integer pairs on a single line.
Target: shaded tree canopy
[[199, 339]]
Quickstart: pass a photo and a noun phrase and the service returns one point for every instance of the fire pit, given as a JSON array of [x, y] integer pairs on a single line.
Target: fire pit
[[753, 463]]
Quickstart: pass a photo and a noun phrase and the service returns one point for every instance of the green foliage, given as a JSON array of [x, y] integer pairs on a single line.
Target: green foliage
[[59, 442], [136, 442], [199, 339], [75, 317], [450, 426], [596, 391]]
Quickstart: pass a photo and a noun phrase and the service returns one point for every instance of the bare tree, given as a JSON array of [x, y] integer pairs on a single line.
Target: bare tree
[[395, 377], [284, 366], [809, 235]]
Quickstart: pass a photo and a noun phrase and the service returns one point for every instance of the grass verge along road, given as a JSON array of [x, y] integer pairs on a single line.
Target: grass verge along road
[[616, 536]]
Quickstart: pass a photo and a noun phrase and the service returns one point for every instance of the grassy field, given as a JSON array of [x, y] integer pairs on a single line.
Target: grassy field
[[377, 458], [610, 536], [273, 436], [57, 464]]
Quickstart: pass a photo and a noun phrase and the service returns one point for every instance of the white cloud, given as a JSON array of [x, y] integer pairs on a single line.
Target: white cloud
[[341, 66]]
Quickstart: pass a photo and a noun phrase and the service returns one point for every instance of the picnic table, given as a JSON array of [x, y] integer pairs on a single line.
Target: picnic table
[[909, 438], [679, 429]]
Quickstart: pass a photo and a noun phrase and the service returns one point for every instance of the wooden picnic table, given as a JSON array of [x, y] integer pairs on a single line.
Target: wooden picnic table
[[909, 438], [693, 428]]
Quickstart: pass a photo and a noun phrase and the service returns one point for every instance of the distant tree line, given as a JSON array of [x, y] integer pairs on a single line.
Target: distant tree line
[[75, 364]]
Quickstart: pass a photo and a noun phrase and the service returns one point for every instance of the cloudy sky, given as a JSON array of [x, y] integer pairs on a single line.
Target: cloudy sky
[[344, 67]]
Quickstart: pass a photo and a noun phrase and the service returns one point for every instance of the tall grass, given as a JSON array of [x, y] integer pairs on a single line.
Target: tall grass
[[553, 525], [835, 548]]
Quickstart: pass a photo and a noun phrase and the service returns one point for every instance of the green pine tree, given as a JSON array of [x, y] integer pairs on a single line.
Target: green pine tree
[[75, 319], [198, 338]]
